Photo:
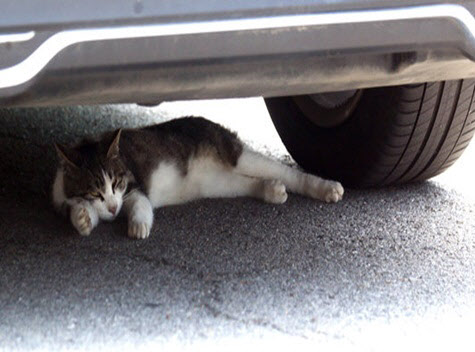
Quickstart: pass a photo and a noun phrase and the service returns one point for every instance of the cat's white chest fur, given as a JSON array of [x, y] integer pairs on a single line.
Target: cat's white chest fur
[[58, 189]]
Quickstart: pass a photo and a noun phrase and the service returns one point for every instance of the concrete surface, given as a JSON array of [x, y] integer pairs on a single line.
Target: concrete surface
[[389, 269]]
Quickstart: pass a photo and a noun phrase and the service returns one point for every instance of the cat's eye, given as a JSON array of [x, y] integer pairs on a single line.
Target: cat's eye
[[96, 195], [118, 184]]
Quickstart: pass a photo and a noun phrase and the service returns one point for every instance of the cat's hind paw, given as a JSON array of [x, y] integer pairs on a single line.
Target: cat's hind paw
[[333, 192], [81, 220], [138, 230], [324, 190], [274, 192]]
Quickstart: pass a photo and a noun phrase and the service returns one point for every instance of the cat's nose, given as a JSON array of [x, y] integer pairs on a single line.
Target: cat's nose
[[112, 209]]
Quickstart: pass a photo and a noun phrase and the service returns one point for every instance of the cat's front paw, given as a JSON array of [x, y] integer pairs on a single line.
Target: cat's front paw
[[138, 230], [274, 192], [81, 220]]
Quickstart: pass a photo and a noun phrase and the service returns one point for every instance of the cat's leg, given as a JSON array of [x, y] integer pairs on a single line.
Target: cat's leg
[[254, 164], [227, 184], [82, 215], [84, 218], [139, 214]]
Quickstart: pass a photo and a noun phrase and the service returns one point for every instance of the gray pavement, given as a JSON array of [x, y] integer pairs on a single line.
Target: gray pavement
[[387, 269]]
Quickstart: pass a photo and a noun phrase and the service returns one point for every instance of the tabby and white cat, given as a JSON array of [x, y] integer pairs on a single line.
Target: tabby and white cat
[[169, 163]]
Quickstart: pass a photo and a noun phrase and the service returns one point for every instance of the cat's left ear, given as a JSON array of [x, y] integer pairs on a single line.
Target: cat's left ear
[[68, 156], [113, 150]]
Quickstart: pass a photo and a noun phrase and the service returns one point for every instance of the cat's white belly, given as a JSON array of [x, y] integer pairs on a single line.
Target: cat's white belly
[[165, 185], [168, 186]]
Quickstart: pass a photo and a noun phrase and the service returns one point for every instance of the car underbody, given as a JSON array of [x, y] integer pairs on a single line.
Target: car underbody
[[122, 52]]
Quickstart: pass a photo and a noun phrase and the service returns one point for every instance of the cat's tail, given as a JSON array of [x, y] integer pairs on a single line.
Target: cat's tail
[[253, 164]]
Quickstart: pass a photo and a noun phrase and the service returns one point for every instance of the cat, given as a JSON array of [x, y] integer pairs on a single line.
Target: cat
[[169, 163]]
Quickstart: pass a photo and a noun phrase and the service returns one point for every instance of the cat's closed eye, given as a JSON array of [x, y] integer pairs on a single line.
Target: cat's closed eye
[[118, 184], [94, 195]]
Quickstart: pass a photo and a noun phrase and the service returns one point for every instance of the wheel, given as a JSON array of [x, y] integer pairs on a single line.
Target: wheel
[[378, 136]]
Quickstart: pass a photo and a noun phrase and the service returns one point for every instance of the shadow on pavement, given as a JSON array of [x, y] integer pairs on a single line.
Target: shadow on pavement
[[228, 267]]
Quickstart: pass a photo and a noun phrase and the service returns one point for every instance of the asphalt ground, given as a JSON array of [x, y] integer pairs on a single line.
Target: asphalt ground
[[386, 269]]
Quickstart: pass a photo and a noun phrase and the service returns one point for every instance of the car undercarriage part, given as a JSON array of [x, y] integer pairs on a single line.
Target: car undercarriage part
[[118, 53]]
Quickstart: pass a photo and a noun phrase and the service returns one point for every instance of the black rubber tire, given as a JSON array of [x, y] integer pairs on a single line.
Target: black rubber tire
[[395, 135]]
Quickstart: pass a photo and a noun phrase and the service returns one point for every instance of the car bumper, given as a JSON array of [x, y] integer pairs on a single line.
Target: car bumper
[[269, 51]]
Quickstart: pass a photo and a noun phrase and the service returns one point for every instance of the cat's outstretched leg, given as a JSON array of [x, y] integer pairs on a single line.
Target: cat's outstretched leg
[[84, 218], [229, 184], [139, 214], [254, 164]]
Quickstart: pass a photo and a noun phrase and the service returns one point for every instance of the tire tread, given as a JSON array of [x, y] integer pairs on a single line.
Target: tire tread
[[396, 135]]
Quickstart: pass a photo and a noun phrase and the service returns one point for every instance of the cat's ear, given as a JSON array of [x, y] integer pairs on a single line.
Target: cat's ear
[[67, 156], [113, 150]]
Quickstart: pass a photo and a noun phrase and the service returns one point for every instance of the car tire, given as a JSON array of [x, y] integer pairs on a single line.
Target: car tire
[[392, 135]]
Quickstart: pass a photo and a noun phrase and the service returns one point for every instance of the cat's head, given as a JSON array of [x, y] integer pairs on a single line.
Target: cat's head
[[94, 172]]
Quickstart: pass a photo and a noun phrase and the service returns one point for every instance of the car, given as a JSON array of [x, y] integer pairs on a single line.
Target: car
[[371, 93]]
